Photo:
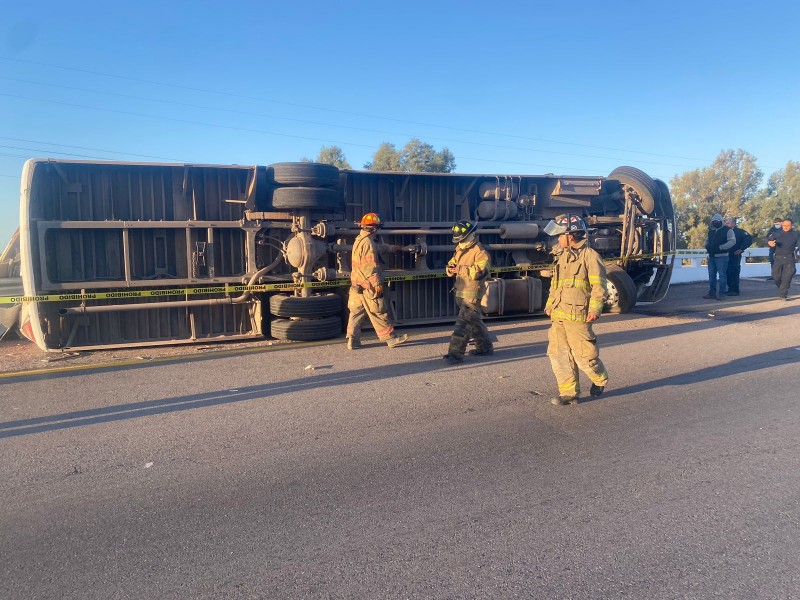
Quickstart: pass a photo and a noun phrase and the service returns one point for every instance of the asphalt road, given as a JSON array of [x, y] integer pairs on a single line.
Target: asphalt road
[[312, 472]]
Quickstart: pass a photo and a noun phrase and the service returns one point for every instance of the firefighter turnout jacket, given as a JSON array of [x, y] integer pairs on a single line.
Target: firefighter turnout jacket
[[366, 272], [578, 285], [364, 300], [471, 268]]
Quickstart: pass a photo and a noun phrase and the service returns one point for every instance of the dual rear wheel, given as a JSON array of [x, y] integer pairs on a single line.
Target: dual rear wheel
[[305, 186], [303, 319]]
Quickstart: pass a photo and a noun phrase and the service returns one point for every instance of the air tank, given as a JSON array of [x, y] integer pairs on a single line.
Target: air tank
[[519, 231], [497, 211]]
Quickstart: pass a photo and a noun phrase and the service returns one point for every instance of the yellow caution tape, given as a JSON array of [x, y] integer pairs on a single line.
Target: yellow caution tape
[[265, 287], [160, 293]]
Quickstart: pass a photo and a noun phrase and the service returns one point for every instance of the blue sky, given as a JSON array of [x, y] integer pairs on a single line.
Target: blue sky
[[510, 87]]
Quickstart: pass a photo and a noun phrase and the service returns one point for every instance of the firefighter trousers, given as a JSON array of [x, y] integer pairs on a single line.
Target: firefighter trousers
[[469, 323], [363, 305], [573, 346]]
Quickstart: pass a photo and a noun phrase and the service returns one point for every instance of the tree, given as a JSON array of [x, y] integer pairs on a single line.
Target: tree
[[331, 155], [386, 158], [415, 157], [445, 162], [420, 157], [727, 187], [780, 198]]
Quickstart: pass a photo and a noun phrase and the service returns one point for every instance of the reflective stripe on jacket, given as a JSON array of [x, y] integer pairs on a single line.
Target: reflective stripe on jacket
[[578, 285], [472, 268]]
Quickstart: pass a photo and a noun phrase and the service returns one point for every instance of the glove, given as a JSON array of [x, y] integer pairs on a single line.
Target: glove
[[451, 270], [378, 290]]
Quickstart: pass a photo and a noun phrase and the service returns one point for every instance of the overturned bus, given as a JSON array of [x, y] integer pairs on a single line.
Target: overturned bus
[[139, 254]]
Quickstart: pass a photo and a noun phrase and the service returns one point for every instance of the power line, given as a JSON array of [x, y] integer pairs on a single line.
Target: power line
[[84, 148], [350, 113], [293, 120], [232, 127], [224, 127], [49, 152], [188, 121]]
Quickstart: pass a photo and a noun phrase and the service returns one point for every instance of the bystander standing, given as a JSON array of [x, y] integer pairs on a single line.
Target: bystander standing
[[719, 241], [743, 241]]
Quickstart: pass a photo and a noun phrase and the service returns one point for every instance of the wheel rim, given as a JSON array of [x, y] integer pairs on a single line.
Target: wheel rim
[[612, 294]]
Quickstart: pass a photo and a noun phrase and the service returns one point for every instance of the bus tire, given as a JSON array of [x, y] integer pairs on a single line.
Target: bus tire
[[309, 198], [640, 181], [306, 330], [304, 174], [621, 291], [311, 307]]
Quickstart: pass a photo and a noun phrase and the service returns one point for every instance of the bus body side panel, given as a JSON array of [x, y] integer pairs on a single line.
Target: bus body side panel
[[111, 227]]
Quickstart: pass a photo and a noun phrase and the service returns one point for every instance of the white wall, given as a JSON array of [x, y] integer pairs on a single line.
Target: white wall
[[696, 270]]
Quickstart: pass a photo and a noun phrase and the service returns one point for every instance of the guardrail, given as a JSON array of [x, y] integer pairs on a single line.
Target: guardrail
[[690, 265]]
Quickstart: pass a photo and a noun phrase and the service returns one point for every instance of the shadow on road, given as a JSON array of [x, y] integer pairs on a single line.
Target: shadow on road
[[747, 364], [503, 355], [217, 398]]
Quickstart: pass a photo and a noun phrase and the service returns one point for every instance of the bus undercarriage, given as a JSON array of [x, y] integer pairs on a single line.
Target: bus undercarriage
[[134, 254]]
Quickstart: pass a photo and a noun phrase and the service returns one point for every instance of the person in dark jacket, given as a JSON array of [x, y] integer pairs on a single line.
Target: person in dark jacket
[[743, 241], [720, 239], [785, 242], [776, 227]]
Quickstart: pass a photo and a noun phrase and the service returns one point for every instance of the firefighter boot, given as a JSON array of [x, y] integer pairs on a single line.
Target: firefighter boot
[[453, 359], [455, 351], [396, 340], [353, 343], [483, 352], [564, 400], [596, 390]]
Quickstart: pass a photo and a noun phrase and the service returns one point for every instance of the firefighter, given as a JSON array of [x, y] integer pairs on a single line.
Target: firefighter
[[367, 288], [470, 267], [577, 294]]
